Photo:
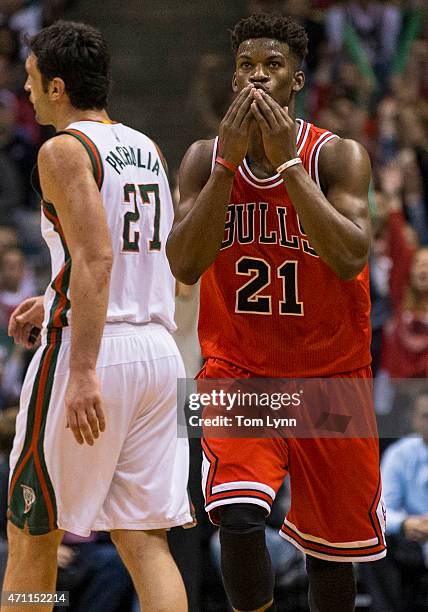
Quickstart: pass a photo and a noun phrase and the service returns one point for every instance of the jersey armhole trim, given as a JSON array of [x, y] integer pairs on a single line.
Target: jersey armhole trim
[[313, 162], [214, 155], [92, 151]]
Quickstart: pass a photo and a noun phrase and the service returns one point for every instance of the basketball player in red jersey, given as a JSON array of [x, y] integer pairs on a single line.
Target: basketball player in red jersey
[[274, 218]]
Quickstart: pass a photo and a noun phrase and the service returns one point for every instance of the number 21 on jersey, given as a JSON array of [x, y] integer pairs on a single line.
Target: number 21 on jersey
[[248, 298]]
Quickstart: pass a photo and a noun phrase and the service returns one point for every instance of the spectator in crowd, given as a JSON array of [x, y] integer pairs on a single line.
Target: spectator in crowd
[[368, 30], [12, 70], [401, 346], [17, 103], [211, 93], [24, 17], [302, 12], [380, 267], [405, 352], [399, 583], [9, 43], [17, 148], [11, 189], [16, 283], [8, 238]]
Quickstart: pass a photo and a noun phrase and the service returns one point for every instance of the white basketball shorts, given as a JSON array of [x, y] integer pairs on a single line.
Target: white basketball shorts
[[135, 475]]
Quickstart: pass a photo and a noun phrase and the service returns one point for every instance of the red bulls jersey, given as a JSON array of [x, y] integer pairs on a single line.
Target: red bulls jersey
[[269, 304]]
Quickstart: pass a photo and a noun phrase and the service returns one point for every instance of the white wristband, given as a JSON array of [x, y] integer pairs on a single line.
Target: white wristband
[[288, 164]]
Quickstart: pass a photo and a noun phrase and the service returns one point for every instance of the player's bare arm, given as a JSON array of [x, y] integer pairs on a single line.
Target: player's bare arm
[[81, 214], [338, 222], [198, 227]]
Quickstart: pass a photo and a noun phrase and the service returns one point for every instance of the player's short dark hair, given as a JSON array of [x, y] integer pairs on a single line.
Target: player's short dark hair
[[263, 25], [78, 54]]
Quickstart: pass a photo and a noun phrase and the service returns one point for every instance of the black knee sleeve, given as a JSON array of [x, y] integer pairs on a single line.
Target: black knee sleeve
[[245, 562], [331, 585]]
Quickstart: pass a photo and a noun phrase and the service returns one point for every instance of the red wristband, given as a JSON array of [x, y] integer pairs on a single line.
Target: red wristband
[[226, 164]]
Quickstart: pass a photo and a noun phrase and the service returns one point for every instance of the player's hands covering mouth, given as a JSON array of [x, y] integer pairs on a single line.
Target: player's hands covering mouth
[[235, 128], [277, 127]]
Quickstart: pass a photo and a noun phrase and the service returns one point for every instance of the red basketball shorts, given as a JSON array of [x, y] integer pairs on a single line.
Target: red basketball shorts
[[336, 510]]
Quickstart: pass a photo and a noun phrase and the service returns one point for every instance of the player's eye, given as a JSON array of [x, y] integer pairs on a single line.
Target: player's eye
[[245, 65], [274, 64]]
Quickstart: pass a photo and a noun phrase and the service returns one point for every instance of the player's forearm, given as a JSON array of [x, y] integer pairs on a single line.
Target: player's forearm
[[89, 292], [195, 240], [338, 241]]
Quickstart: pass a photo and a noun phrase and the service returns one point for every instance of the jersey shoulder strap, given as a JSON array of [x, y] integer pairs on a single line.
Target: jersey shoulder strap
[[92, 150]]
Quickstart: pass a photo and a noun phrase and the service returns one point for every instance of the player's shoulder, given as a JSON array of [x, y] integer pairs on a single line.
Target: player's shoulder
[[202, 149], [343, 157], [61, 151], [198, 160], [344, 148]]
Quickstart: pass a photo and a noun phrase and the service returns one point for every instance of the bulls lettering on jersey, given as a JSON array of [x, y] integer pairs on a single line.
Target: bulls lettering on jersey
[[269, 304], [130, 174]]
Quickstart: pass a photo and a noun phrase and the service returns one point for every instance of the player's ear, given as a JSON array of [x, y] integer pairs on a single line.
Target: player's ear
[[56, 87], [298, 81], [234, 83]]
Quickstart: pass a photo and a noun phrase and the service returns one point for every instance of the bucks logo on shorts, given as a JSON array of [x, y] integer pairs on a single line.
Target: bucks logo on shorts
[[29, 497]]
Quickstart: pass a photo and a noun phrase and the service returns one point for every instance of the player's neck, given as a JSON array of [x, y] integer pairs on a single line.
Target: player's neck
[[72, 115]]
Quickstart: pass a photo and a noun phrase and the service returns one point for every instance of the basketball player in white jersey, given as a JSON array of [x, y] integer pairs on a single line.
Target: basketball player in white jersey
[[96, 445]]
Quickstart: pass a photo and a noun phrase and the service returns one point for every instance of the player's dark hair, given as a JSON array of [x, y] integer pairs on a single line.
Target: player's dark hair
[[262, 25], [78, 54]]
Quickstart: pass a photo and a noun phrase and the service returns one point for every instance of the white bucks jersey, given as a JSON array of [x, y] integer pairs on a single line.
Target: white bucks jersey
[[130, 174]]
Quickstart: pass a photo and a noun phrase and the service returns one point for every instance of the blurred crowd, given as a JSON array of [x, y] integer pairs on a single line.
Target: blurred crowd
[[366, 79]]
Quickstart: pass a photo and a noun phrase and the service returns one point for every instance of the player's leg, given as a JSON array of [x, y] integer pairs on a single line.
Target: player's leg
[[240, 478], [331, 585], [336, 515], [245, 562], [342, 526], [32, 563], [33, 537], [155, 575]]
